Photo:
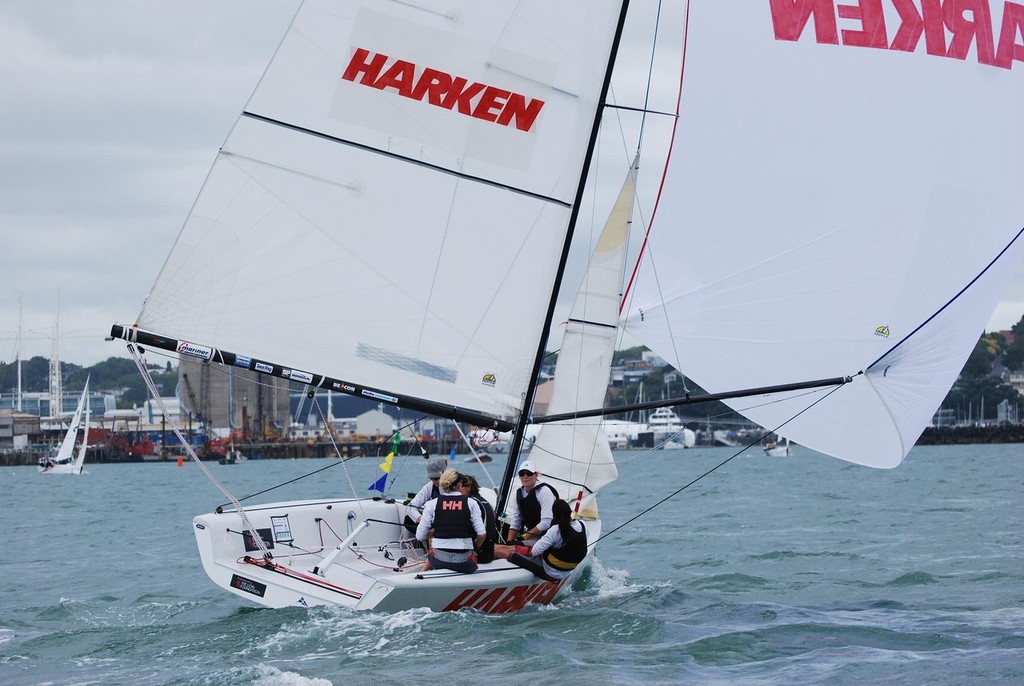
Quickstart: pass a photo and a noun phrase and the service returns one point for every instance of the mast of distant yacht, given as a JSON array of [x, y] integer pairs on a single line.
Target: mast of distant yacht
[[18, 397]]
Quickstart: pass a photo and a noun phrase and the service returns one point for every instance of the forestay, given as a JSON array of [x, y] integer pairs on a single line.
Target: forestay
[[391, 206], [841, 188]]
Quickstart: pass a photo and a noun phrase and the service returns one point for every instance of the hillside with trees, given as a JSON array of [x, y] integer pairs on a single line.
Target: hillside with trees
[[981, 385]]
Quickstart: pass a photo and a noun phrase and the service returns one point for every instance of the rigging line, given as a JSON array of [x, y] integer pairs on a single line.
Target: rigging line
[[341, 460], [298, 478], [337, 451], [570, 230], [644, 252], [650, 72], [476, 455], [950, 301], [389, 482], [400, 158], [151, 386], [688, 399], [715, 468], [643, 110]]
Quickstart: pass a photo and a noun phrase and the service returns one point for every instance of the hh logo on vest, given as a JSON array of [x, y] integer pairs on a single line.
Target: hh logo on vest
[[451, 504]]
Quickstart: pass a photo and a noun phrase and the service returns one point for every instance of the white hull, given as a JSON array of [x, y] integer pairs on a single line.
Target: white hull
[[782, 450], [63, 468], [307, 568]]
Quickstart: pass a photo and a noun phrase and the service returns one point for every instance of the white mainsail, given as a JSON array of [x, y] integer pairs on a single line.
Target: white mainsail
[[391, 207], [84, 445], [832, 208]]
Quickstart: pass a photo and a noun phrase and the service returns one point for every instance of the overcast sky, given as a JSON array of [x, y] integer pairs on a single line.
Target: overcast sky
[[111, 112]]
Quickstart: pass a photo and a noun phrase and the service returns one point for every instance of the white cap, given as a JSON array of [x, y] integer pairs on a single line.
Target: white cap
[[529, 466]]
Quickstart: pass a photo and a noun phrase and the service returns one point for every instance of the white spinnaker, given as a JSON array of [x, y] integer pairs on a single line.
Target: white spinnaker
[[574, 455], [822, 203], [378, 235]]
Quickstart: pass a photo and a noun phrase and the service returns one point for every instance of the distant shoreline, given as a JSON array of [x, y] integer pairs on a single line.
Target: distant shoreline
[[963, 435]]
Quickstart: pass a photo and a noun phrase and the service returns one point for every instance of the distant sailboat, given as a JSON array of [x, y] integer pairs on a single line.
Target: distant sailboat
[[233, 455], [833, 228], [68, 459], [777, 448]]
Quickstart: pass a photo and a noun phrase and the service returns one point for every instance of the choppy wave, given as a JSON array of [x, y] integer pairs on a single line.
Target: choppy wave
[[762, 579]]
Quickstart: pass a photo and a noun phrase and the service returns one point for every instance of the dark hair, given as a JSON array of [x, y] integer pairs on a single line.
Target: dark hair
[[470, 480], [561, 514]]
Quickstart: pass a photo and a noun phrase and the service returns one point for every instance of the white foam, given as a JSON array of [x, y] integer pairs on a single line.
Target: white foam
[[272, 676]]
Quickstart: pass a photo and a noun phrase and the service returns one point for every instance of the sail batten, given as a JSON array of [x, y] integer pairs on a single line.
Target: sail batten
[[408, 160]]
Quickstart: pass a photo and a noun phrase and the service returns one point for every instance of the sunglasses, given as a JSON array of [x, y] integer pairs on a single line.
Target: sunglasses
[[523, 472]]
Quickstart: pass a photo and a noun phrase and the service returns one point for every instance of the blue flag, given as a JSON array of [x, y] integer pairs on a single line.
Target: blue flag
[[379, 484]]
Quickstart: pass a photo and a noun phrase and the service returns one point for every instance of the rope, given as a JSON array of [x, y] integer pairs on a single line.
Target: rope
[[257, 539], [715, 468], [337, 451]]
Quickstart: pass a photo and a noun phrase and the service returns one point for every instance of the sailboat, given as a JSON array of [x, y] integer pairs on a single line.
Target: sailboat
[[233, 455], [70, 458], [779, 448], [437, 159]]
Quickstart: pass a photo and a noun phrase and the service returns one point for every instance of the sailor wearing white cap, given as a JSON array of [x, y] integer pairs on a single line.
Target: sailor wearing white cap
[[531, 512], [430, 490]]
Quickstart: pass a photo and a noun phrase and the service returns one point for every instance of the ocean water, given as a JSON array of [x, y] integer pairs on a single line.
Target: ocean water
[[798, 570]]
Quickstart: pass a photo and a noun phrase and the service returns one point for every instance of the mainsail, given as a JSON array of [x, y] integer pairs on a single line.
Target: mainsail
[[66, 451], [831, 208], [391, 207]]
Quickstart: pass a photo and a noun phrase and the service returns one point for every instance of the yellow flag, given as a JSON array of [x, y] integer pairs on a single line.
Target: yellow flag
[[386, 464]]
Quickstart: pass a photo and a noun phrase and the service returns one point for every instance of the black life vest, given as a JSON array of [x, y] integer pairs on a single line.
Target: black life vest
[[409, 522], [452, 518], [486, 553], [529, 506], [571, 552]]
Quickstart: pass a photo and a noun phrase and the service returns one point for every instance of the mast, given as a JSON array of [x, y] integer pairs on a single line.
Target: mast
[[18, 402], [531, 390], [56, 386]]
